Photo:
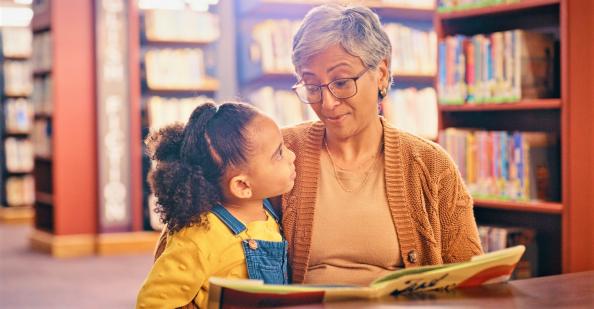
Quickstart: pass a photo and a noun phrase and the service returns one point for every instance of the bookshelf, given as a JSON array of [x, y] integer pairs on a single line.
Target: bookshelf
[[187, 61], [16, 152], [265, 29], [564, 113], [68, 98]]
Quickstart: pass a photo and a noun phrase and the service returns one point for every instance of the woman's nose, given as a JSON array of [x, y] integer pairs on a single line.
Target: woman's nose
[[329, 101]]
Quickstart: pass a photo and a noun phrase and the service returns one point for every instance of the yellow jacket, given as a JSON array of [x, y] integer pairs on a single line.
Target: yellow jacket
[[192, 255]]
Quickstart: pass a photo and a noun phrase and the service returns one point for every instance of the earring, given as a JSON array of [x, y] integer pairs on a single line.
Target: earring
[[383, 93]]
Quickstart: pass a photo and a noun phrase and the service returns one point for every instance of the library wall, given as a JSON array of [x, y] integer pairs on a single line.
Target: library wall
[[501, 85]]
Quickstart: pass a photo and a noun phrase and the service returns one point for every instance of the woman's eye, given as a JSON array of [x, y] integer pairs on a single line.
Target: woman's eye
[[340, 83]]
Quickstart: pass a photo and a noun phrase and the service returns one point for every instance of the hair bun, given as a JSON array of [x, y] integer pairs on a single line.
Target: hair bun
[[165, 144]]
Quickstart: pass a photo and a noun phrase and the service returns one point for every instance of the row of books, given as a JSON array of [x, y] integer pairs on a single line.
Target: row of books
[[494, 238], [498, 67], [175, 69], [18, 80], [18, 116], [16, 42], [20, 190], [506, 165], [165, 25], [413, 110], [414, 51], [272, 45], [41, 98], [165, 111], [456, 5], [42, 137], [282, 105], [19, 155], [42, 51]]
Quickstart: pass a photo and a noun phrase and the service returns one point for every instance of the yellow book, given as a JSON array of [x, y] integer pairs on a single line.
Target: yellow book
[[494, 267]]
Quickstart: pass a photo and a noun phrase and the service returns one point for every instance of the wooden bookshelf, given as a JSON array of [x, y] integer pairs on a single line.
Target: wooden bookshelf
[[15, 212], [529, 206], [300, 7], [500, 10], [262, 78], [17, 215], [143, 237], [520, 105], [65, 180], [16, 57], [208, 85], [67, 208], [413, 78], [42, 72], [565, 226], [175, 44], [41, 21]]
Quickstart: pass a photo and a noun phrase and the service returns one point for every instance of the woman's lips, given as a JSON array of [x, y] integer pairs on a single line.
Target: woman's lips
[[335, 119]]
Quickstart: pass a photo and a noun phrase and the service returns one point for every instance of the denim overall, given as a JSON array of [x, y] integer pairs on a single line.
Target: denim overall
[[266, 260]]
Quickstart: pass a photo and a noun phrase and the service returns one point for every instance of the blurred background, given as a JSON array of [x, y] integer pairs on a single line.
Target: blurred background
[[502, 85]]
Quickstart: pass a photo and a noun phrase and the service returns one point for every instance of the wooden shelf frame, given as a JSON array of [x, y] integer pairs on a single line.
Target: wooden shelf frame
[[522, 5], [537, 104], [528, 206], [573, 227]]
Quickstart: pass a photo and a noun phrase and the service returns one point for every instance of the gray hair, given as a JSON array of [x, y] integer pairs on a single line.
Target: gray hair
[[356, 28]]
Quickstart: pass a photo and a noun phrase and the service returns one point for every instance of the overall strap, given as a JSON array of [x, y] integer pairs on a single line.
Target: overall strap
[[230, 221], [270, 209]]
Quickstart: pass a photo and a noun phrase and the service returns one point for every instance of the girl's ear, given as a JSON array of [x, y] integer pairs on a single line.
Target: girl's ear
[[239, 187]]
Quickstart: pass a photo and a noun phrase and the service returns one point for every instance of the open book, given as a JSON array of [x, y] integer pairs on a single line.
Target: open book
[[488, 268]]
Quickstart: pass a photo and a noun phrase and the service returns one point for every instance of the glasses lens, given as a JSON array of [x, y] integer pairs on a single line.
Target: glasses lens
[[343, 88], [309, 93]]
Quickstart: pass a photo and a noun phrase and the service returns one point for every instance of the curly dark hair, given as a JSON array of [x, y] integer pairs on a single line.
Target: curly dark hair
[[191, 159]]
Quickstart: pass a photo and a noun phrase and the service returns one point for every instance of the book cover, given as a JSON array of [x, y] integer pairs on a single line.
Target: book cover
[[494, 267]]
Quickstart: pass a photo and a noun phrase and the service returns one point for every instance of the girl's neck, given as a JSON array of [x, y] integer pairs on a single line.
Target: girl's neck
[[246, 211], [357, 149]]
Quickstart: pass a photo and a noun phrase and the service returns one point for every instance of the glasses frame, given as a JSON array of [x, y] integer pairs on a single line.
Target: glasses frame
[[327, 86]]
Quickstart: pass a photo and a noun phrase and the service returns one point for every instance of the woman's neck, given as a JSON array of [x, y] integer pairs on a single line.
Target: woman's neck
[[246, 211], [358, 149]]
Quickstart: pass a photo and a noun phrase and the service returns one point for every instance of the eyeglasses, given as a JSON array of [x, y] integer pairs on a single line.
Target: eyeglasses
[[342, 88]]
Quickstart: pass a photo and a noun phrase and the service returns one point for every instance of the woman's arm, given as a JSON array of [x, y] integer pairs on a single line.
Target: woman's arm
[[460, 239]]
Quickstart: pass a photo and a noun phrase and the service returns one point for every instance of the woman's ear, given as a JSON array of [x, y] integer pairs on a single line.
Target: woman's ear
[[384, 75], [239, 187]]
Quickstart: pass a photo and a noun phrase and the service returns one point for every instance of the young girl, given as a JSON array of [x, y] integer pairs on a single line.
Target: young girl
[[211, 181]]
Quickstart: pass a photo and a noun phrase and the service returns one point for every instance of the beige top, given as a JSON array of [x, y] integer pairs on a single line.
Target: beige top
[[429, 204], [353, 237]]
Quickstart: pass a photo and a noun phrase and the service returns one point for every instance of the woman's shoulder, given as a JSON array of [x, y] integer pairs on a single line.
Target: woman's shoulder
[[420, 149], [300, 132]]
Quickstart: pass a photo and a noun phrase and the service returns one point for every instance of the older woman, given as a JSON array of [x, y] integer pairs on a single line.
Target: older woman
[[368, 199]]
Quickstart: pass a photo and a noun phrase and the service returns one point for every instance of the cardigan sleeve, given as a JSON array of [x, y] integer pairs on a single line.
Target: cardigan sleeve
[[460, 238], [176, 277]]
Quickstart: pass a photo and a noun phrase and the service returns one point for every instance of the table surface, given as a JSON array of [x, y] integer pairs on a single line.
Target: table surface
[[575, 290]]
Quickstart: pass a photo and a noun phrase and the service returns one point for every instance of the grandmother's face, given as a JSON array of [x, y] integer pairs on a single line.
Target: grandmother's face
[[344, 118]]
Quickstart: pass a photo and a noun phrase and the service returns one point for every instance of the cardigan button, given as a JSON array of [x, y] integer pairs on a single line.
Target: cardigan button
[[412, 256]]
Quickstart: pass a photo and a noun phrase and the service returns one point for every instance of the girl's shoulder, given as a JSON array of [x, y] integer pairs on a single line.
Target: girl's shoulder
[[211, 232]]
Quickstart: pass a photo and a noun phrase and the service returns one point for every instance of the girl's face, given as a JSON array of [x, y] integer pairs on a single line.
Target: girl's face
[[345, 117], [271, 168]]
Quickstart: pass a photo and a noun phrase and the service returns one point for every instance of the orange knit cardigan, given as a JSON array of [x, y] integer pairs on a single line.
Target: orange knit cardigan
[[430, 206]]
